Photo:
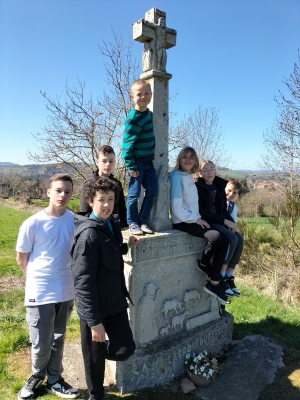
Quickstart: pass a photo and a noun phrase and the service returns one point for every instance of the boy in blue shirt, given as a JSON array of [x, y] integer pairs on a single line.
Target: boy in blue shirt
[[138, 151]]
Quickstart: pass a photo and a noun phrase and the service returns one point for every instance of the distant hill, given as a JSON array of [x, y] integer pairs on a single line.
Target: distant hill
[[35, 171], [8, 164]]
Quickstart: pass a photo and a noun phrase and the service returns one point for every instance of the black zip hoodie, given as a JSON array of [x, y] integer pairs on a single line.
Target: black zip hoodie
[[205, 201], [98, 269]]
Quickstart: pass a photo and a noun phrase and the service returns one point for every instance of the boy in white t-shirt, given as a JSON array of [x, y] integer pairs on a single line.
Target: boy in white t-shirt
[[43, 247]]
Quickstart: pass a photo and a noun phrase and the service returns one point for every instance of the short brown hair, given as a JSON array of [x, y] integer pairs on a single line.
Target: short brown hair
[[140, 82], [101, 183], [182, 153], [235, 183], [60, 177], [106, 150]]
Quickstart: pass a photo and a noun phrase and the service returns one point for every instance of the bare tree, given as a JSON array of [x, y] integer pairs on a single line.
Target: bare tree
[[282, 156], [202, 130], [78, 125]]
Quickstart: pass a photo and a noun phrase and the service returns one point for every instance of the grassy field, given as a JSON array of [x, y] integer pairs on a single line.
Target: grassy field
[[254, 313]]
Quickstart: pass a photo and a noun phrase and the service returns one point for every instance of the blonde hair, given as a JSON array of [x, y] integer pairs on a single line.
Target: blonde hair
[[185, 151], [203, 163], [140, 82]]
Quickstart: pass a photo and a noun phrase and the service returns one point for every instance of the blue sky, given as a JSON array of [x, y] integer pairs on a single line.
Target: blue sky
[[230, 54]]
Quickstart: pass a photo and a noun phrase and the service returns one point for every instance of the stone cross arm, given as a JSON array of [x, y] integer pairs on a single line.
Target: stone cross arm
[[144, 31]]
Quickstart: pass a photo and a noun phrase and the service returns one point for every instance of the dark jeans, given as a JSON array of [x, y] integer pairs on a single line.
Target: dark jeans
[[119, 347], [236, 244], [147, 179], [214, 246]]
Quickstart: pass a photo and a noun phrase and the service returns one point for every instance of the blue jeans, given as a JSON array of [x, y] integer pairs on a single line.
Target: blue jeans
[[147, 179]]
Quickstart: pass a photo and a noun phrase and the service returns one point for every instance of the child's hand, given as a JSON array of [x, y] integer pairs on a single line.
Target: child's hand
[[134, 174], [98, 334], [231, 225], [133, 241], [202, 223]]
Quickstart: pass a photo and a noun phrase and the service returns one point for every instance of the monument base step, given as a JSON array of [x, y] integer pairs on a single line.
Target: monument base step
[[160, 363]]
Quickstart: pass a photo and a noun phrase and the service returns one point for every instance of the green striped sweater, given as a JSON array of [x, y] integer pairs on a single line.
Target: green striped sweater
[[138, 140]]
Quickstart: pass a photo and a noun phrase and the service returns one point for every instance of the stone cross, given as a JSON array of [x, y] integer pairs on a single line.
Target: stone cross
[[152, 31]]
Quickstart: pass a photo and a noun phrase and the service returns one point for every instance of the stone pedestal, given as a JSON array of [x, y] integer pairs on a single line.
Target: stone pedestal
[[172, 314]]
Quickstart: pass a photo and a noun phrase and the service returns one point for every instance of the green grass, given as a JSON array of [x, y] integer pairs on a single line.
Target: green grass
[[10, 222], [254, 313], [74, 204]]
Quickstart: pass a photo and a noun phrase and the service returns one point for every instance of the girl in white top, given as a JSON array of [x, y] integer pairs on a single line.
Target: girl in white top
[[185, 217]]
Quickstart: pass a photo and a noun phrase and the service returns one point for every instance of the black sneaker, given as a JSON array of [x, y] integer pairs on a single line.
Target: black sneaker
[[216, 291], [28, 390], [226, 287], [62, 389], [204, 268], [231, 284]]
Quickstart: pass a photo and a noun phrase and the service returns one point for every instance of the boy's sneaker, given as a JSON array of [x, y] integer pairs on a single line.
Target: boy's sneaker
[[226, 287], [62, 389], [231, 284], [204, 268], [216, 291], [135, 229], [145, 228], [28, 390]]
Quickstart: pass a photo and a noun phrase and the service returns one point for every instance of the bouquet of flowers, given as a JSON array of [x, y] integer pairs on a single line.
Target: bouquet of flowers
[[202, 365]]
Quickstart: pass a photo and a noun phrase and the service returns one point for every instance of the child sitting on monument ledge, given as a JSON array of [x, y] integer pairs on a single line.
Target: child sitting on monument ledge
[[138, 151], [185, 217], [100, 290], [213, 207], [106, 162]]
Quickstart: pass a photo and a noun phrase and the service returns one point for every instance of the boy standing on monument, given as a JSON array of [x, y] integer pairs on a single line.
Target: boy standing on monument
[[43, 247], [138, 151], [106, 162]]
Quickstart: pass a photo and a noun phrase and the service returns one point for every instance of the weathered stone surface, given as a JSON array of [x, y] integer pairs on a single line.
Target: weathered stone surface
[[250, 367], [166, 287], [163, 361]]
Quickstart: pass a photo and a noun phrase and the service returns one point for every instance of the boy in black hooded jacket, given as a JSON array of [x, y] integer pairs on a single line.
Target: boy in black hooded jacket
[[100, 290]]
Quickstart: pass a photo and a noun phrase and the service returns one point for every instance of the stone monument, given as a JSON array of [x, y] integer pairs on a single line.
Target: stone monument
[[172, 315]]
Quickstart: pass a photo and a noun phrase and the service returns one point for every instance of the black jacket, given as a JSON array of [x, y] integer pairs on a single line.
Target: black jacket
[[98, 269], [205, 202], [120, 206]]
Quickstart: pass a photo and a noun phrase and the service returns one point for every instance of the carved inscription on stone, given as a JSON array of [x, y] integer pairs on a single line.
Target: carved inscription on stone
[[160, 248]]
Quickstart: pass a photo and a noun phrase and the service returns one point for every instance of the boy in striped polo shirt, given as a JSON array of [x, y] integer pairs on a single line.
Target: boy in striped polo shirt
[[138, 152]]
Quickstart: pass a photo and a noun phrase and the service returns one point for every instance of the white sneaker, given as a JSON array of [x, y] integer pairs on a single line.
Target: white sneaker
[[135, 229], [145, 228]]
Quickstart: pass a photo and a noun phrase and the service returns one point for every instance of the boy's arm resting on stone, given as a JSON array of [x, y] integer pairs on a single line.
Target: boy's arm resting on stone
[[22, 260], [85, 260]]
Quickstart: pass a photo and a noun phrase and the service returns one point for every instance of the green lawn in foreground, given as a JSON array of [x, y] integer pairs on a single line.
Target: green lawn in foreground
[[10, 222]]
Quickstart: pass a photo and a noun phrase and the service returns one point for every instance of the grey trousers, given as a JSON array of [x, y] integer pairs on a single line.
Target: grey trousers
[[47, 330], [236, 244]]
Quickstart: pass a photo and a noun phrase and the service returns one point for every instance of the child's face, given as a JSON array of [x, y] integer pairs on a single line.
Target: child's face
[[60, 194], [106, 164], [208, 173], [187, 162], [141, 95], [103, 204], [231, 192]]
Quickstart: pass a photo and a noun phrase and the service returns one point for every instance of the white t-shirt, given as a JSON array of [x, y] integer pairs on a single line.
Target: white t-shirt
[[48, 239], [233, 213]]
